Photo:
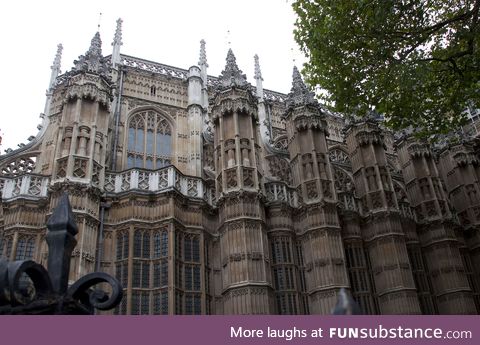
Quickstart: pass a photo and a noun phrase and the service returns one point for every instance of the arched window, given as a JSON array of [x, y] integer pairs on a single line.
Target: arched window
[[149, 141]]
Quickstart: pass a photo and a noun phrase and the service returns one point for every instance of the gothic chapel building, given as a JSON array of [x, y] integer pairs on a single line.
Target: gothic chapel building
[[210, 195]]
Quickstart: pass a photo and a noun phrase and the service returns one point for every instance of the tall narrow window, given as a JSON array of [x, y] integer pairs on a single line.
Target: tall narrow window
[[153, 90], [25, 248], [149, 141]]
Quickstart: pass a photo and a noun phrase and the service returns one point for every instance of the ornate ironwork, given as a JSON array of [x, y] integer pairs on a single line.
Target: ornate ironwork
[[26, 287]]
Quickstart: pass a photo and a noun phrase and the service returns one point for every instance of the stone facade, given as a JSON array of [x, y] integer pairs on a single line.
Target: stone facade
[[209, 195]]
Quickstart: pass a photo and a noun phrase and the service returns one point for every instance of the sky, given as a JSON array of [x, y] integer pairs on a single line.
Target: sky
[[163, 31]]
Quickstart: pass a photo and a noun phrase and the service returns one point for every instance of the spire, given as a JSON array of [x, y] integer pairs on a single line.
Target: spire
[[93, 60], [299, 94], [117, 38], [258, 72], [258, 78], [117, 43], [58, 58], [203, 54], [232, 75], [56, 66]]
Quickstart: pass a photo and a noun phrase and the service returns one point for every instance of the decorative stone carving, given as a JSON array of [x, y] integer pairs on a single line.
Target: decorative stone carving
[[18, 166]]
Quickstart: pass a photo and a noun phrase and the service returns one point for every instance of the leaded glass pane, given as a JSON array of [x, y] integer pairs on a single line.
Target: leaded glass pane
[[188, 278], [145, 274], [164, 248], [22, 243], [197, 310], [146, 245], [135, 302], [137, 244], [164, 303], [150, 144], [153, 140], [164, 268], [164, 146], [126, 243], [156, 275], [145, 306], [139, 140], [188, 304], [188, 249], [131, 138], [8, 251], [196, 278], [196, 250], [137, 267], [156, 245], [149, 163], [119, 246], [29, 249]]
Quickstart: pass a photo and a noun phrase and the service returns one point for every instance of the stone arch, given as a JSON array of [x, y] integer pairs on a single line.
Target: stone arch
[[338, 155], [343, 180], [149, 139]]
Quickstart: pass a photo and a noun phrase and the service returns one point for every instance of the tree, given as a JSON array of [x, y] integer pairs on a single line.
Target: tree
[[415, 61]]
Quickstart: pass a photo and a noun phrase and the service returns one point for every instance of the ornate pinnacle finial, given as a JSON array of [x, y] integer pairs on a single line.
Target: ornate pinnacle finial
[[58, 58], [117, 39], [203, 54], [95, 45], [258, 72], [299, 94], [297, 83], [93, 60], [232, 75]]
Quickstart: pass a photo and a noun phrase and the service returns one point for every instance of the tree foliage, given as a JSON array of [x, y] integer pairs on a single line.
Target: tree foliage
[[415, 61]]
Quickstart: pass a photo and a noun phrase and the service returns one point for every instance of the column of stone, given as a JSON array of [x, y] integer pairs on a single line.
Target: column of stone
[[358, 267], [86, 113], [421, 276], [435, 229], [460, 170], [246, 275], [317, 224], [195, 121], [381, 230]]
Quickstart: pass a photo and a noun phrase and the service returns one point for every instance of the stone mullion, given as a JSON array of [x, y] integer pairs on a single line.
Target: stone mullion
[[13, 251], [171, 262], [253, 157], [238, 153], [203, 269], [221, 169], [73, 143], [316, 171], [130, 268]]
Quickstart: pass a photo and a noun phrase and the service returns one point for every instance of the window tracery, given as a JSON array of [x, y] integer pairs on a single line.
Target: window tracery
[[149, 141], [339, 156]]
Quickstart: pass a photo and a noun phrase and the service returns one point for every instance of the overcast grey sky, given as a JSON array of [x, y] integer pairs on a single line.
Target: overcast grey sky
[[163, 31]]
